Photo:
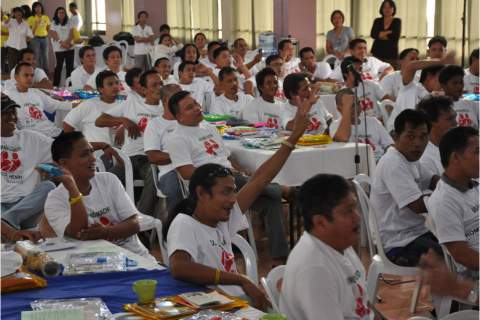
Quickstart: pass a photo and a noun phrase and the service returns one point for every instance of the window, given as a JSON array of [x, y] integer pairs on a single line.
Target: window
[[98, 16], [250, 18], [128, 15], [324, 10]]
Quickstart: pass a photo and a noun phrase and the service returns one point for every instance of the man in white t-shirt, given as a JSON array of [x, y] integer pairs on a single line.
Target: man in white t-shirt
[[89, 205], [442, 117], [164, 69], [324, 278], [223, 58], [343, 129], [75, 19], [33, 103], [412, 91], [265, 108], [83, 117], [209, 61], [249, 58], [398, 190], [451, 80], [82, 73], [231, 102], [200, 89], [286, 50], [23, 195], [134, 116], [40, 78], [154, 141], [195, 143], [316, 71], [437, 47], [297, 88], [276, 62], [144, 37], [132, 79], [471, 81], [392, 82], [454, 203], [369, 92]]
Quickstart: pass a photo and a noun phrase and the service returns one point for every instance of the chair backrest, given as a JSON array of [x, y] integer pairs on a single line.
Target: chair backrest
[[128, 173], [462, 315], [155, 172], [146, 223], [248, 255], [183, 185], [331, 60], [386, 107], [68, 82], [100, 165], [359, 181], [271, 283]]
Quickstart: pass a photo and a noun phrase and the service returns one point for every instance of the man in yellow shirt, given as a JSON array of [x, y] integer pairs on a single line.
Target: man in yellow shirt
[[40, 25]]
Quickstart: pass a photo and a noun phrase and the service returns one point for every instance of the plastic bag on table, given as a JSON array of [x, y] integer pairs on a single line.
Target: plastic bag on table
[[94, 308], [79, 263], [21, 280]]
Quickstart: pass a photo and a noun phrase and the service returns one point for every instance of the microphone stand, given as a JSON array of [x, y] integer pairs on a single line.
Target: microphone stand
[[355, 130]]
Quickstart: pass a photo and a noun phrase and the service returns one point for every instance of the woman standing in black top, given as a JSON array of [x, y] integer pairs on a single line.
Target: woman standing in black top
[[386, 32]]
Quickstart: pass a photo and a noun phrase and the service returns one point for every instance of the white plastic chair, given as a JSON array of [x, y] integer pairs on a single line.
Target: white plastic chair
[[331, 60], [147, 223], [129, 182], [380, 263], [248, 255], [68, 82], [270, 284], [155, 172], [384, 105]]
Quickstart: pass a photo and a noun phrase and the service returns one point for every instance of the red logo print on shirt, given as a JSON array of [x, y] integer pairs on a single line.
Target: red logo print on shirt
[[142, 124], [464, 120], [10, 165], [366, 104], [360, 308], [210, 146], [314, 124], [227, 261], [367, 76], [35, 113], [272, 123], [105, 221]]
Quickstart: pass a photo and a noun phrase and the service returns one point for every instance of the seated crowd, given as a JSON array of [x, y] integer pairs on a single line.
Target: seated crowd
[[423, 134]]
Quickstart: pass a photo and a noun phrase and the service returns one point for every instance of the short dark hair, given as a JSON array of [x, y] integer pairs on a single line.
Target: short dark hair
[[212, 44], [455, 140], [144, 77], [391, 3], [131, 75], [431, 70], [353, 43], [20, 65], [305, 50], [56, 19], [182, 65], [181, 53], [414, 117], [450, 71], [164, 27], [157, 62], [140, 13], [348, 63], [109, 50], [319, 195], [261, 75], [73, 5], [83, 50], [173, 102], [18, 9], [438, 39], [102, 75], [334, 12], [35, 5], [23, 52], [282, 43], [291, 84], [271, 58], [198, 34], [224, 72], [163, 36], [473, 56], [62, 146], [218, 51], [433, 106], [405, 52]]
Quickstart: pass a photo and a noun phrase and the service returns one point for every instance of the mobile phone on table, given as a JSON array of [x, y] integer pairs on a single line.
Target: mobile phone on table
[[51, 169]]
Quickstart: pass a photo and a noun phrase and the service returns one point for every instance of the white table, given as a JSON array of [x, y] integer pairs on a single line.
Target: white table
[[305, 162], [101, 246]]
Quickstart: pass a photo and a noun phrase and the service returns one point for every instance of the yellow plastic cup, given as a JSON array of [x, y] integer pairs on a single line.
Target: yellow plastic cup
[[145, 290]]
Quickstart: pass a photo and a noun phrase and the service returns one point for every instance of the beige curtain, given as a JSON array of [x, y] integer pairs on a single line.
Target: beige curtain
[[243, 13], [324, 9], [474, 28], [187, 17], [128, 15]]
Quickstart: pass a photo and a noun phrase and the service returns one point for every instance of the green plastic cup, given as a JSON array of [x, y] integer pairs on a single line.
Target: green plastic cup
[[273, 316], [145, 290]]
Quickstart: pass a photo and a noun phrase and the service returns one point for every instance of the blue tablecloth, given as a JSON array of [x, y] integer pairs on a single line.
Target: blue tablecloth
[[114, 288]]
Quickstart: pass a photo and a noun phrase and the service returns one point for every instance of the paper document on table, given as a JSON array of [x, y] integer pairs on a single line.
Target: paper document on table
[[55, 314], [55, 244]]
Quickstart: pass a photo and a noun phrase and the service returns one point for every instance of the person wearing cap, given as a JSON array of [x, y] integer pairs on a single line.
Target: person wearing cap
[[23, 195]]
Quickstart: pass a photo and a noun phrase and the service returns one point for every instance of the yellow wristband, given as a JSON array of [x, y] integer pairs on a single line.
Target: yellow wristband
[[288, 144], [217, 276], [76, 199]]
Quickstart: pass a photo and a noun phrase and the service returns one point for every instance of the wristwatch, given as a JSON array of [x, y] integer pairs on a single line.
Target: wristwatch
[[473, 295]]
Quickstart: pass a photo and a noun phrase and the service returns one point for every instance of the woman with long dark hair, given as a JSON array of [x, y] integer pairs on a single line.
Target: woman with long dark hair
[[61, 33], [40, 25], [200, 228]]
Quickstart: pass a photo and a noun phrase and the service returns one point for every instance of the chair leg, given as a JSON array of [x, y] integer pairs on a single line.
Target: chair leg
[[251, 235], [415, 296], [442, 305], [372, 282]]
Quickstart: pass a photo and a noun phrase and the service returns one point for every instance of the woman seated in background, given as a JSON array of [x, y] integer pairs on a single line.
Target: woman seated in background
[[339, 37], [200, 41]]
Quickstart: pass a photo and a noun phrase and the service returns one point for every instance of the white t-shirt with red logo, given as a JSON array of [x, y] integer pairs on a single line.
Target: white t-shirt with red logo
[[209, 246], [107, 204], [197, 146], [373, 68], [31, 114], [223, 105], [467, 113], [124, 88], [20, 155], [318, 117], [259, 110], [322, 70], [471, 82], [83, 117], [291, 66], [140, 113], [369, 101], [321, 283], [392, 83]]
